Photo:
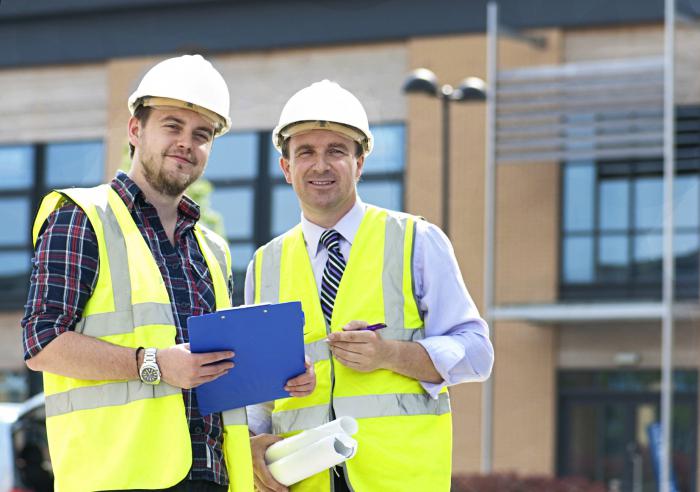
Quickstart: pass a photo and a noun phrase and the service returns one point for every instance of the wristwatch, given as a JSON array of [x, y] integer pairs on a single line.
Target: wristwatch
[[149, 372]]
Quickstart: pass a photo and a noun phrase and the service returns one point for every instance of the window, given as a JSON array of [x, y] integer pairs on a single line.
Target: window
[[233, 169], [612, 223], [256, 202], [29, 172]]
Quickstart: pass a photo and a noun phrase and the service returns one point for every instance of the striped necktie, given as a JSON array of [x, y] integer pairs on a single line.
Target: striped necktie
[[332, 273]]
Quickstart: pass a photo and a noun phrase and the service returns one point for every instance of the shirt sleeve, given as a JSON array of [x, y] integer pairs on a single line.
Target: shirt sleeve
[[260, 418], [249, 289], [64, 272], [456, 337]]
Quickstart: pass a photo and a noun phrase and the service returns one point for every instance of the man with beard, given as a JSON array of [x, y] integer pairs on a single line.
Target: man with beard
[[352, 265], [117, 271]]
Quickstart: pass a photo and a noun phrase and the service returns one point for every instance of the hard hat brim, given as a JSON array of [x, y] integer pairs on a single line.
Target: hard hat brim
[[221, 124], [305, 126]]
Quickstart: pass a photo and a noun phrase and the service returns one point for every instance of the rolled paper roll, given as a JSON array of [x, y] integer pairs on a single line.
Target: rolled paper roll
[[310, 460], [342, 425]]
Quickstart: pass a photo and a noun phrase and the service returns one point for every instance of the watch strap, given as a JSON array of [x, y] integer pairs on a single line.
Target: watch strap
[[136, 355]]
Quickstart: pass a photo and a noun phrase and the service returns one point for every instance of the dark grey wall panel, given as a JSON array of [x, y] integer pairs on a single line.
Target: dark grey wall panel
[[39, 32]]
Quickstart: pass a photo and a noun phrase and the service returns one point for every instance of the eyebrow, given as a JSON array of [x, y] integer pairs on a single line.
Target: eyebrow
[[179, 121], [339, 145], [303, 147]]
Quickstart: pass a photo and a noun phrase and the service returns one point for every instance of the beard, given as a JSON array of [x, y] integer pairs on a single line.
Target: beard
[[171, 184]]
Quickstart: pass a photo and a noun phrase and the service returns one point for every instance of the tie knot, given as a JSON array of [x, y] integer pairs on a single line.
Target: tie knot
[[331, 239]]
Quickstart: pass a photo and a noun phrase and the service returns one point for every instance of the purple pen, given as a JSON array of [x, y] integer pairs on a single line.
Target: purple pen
[[378, 326]]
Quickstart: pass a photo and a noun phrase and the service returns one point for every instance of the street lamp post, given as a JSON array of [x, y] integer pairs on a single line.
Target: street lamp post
[[424, 81]]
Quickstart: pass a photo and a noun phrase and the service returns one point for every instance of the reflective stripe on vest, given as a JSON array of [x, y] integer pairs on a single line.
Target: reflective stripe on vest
[[122, 322], [363, 406], [236, 416], [104, 395]]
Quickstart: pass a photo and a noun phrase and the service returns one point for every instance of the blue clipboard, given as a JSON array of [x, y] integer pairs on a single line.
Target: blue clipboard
[[268, 340]]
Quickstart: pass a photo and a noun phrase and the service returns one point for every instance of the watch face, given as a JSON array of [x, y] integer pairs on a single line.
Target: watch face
[[149, 374]]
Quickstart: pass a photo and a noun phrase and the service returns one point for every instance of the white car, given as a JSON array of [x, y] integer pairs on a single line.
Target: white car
[[24, 456]]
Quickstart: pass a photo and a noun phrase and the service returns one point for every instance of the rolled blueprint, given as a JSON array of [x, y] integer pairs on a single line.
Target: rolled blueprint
[[312, 451], [321, 455], [342, 425]]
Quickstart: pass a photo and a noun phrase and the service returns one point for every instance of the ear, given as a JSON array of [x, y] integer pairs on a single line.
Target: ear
[[133, 130], [360, 166], [285, 166]]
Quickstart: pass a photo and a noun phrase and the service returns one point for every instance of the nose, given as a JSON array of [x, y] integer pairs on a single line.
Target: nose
[[184, 141], [321, 163]]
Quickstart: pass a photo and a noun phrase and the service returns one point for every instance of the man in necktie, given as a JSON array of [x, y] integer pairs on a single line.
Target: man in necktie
[[353, 265]]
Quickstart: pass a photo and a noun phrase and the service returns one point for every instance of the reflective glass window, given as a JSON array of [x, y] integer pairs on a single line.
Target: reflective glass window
[[236, 207], [14, 263], [687, 253], [387, 194], [686, 205], [647, 257], [613, 260], [234, 155], [241, 254], [614, 205], [389, 149], [685, 245], [627, 227], [649, 196], [648, 247], [285, 209], [16, 167], [578, 259], [74, 164], [15, 227], [579, 181], [273, 158]]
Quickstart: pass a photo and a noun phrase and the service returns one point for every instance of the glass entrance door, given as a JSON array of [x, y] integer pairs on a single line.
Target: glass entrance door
[[603, 431]]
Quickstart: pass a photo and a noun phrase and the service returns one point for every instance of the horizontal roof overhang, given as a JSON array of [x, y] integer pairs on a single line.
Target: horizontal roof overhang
[[39, 32], [562, 313]]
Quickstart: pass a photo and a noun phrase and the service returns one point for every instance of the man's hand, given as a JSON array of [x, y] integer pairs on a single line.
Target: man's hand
[[304, 384], [264, 481], [181, 368], [364, 351]]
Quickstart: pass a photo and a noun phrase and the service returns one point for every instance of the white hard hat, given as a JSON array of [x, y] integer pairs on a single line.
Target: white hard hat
[[189, 82], [327, 106]]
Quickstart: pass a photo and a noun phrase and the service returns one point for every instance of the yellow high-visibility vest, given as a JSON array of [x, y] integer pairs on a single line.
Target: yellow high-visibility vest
[[405, 436], [106, 435]]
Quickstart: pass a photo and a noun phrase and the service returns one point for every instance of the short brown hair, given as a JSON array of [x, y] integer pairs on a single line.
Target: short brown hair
[[141, 113]]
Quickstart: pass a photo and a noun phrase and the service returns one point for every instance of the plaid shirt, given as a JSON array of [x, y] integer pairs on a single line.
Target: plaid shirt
[[64, 274]]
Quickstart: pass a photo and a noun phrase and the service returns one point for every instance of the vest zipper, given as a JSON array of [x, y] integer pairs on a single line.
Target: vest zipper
[[331, 410]]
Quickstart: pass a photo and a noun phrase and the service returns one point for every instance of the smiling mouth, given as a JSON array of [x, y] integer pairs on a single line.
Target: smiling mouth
[[322, 183], [180, 158]]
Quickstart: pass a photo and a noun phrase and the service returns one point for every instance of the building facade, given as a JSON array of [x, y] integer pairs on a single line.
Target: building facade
[[571, 397]]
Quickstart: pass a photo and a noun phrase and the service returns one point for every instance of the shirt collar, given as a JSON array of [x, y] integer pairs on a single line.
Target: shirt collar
[[127, 189], [347, 227], [132, 195]]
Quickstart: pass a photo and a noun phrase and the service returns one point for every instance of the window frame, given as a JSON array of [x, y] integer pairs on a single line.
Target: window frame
[[15, 287], [632, 288]]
